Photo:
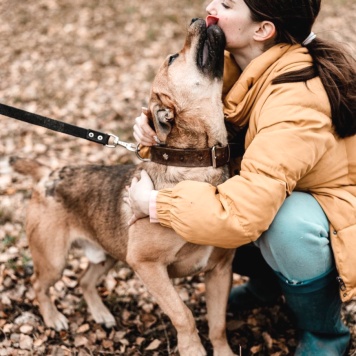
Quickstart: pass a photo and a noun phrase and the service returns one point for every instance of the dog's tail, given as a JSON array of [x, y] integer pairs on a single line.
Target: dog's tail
[[29, 167]]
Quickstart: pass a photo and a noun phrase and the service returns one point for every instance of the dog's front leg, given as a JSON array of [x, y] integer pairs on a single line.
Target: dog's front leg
[[218, 285], [158, 283]]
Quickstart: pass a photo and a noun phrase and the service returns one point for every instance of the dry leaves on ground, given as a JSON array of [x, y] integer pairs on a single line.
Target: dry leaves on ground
[[90, 63]]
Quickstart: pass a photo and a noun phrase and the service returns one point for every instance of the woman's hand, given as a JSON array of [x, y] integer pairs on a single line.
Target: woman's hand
[[139, 196], [143, 133]]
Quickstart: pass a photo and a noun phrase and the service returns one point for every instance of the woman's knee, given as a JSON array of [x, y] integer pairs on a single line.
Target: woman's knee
[[297, 242]]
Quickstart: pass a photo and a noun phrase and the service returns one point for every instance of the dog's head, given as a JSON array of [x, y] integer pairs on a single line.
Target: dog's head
[[185, 104]]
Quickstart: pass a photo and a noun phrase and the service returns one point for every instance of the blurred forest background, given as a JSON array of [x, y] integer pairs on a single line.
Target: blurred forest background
[[90, 63]]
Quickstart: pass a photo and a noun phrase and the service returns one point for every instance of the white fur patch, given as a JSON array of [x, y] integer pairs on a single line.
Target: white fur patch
[[95, 254]]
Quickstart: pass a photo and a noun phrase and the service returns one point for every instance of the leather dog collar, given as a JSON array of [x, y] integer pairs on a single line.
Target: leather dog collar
[[190, 157]]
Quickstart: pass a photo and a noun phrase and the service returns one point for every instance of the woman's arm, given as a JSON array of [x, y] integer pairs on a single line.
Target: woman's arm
[[290, 135]]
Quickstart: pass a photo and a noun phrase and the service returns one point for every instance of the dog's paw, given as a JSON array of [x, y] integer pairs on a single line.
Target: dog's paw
[[224, 352], [104, 317], [110, 323], [189, 344], [222, 348], [57, 322], [192, 350]]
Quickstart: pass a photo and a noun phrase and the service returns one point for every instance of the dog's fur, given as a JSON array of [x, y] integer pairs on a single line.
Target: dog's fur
[[85, 204]]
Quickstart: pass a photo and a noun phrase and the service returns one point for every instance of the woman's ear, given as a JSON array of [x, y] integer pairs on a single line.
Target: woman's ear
[[265, 32]]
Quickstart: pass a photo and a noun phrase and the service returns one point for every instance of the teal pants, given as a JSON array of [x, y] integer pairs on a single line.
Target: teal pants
[[297, 245], [297, 248]]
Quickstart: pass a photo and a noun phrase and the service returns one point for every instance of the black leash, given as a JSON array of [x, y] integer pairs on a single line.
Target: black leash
[[215, 156], [106, 139]]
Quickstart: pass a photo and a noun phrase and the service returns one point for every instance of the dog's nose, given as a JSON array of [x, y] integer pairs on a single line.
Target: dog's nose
[[194, 19]]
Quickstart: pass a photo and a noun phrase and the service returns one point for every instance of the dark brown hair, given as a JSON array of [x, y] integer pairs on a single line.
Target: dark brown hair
[[336, 67]]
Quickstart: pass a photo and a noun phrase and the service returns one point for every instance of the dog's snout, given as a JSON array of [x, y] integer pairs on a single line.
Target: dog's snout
[[194, 19]]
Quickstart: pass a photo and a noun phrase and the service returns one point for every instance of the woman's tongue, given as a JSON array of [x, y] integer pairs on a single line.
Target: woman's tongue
[[211, 20]]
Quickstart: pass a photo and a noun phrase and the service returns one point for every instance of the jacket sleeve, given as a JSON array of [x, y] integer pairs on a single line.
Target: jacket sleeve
[[288, 142]]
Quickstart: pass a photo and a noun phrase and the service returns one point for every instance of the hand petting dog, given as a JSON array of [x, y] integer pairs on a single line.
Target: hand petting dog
[[139, 197]]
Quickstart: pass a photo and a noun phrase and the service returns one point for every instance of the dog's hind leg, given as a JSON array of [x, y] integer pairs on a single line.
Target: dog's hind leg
[[88, 282], [218, 285], [49, 262]]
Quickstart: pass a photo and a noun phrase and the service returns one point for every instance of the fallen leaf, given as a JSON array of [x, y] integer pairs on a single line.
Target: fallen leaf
[[255, 349], [153, 345], [80, 340]]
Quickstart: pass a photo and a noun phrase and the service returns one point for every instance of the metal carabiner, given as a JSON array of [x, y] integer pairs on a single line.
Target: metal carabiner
[[116, 141], [129, 146]]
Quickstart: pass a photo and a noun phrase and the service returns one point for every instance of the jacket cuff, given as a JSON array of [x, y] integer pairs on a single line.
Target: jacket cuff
[[163, 207]]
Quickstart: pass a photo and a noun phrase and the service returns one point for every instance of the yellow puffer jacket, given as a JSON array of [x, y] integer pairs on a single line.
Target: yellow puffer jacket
[[289, 145]]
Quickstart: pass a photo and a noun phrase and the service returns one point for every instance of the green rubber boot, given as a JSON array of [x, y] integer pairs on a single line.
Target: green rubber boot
[[316, 306], [262, 289], [257, 292]]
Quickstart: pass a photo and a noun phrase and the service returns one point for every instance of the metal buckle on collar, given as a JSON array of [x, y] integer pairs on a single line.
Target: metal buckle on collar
[[213, 155]]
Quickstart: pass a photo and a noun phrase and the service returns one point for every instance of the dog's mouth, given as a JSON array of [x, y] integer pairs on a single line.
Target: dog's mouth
[[210, 48]]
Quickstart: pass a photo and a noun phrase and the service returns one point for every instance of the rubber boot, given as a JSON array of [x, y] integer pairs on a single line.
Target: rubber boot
[[262, 289], [316, 306]]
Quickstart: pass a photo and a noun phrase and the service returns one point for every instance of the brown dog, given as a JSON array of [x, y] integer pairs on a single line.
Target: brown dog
[[85, 204]]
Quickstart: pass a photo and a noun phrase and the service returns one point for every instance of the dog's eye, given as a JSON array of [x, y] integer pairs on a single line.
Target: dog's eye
[[172, 58]]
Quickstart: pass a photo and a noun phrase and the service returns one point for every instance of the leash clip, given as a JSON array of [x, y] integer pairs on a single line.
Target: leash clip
[[116, 141]]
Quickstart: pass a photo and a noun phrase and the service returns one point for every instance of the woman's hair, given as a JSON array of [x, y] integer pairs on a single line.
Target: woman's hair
[[336, 68]]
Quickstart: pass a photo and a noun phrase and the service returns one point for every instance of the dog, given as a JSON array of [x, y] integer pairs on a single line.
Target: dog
[[85, 204]]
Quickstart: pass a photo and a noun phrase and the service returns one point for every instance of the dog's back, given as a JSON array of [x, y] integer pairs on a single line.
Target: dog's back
[[87, 203]]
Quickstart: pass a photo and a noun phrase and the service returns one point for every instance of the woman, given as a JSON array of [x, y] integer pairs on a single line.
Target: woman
[[295, 196]]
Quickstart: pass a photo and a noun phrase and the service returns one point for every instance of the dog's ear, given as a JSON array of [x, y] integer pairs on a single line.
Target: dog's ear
[[163, 120], [148, 113]]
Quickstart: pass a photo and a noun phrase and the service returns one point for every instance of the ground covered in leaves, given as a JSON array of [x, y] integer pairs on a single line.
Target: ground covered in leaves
[[90, 63]]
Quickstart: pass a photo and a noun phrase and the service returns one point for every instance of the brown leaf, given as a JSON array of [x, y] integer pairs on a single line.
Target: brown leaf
[[100, 334], [80, 340], [268, 339], [119, 335], [26, 342], [26, 329], [255, 349], [107, 344], [153, 345], [148, 320], [83, 328], [139, 340], [71, 283]]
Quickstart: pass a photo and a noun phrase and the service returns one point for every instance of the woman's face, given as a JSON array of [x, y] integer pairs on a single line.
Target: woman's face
[[235, 20]]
